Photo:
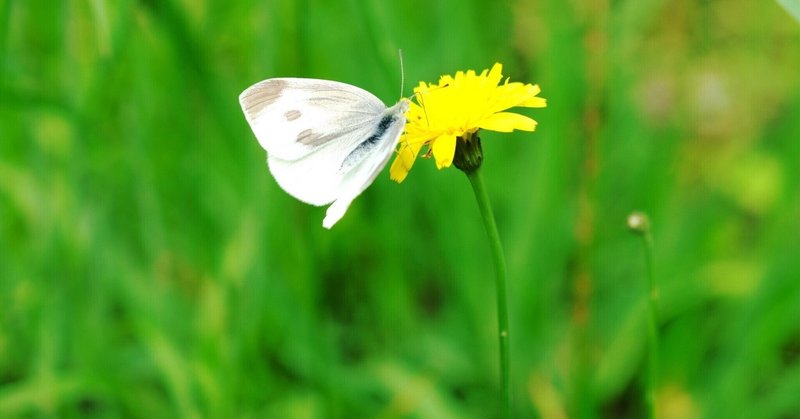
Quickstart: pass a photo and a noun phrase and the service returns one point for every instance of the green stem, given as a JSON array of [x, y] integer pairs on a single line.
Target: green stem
[[476, 180], [652, 326]]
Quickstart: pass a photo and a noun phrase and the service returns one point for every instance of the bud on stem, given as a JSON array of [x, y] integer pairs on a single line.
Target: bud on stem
[[469, 153]]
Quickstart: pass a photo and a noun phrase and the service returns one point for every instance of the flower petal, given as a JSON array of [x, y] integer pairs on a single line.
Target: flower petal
[[516, 94], [534, 102], [444, 148], [507, 122], [405, 158], [495, 74]]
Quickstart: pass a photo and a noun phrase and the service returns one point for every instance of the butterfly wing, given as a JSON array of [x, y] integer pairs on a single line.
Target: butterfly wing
[[293, 117], [319, 180], [326, 141]]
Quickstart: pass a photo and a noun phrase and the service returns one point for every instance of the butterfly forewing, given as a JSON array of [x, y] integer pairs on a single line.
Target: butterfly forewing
[[294, 117]]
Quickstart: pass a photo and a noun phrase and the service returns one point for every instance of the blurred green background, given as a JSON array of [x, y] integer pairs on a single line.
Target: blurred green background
[[151, 267]]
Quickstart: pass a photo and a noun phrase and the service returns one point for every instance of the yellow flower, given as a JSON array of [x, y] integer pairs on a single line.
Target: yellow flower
[[456, 108]]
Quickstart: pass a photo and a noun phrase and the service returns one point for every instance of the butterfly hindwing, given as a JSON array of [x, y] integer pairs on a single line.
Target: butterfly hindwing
[[319, 179]]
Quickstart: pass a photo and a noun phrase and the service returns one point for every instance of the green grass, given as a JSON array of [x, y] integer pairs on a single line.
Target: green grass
[[151, 267]]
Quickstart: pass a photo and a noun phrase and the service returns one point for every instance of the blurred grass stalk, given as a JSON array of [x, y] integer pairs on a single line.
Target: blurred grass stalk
[[640, 224]]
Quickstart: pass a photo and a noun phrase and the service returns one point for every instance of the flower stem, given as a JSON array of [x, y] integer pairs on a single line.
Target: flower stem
[[640, 224], [476, 180], [652, 327]]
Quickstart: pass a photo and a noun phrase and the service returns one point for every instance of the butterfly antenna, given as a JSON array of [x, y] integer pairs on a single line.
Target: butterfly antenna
[[402, 72], [424, 109]]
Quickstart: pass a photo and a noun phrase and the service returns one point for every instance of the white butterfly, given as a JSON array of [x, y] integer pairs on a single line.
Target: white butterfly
[[326, 141]]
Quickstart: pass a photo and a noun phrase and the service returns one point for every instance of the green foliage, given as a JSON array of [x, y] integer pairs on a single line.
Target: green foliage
[[151, 267]]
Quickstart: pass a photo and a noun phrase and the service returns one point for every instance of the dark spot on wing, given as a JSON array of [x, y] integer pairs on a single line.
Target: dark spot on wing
[[262, 95], [292, 115], [308, 137]]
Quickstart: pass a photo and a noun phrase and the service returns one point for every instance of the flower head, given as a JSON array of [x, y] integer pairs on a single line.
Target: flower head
[[456, 108]]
